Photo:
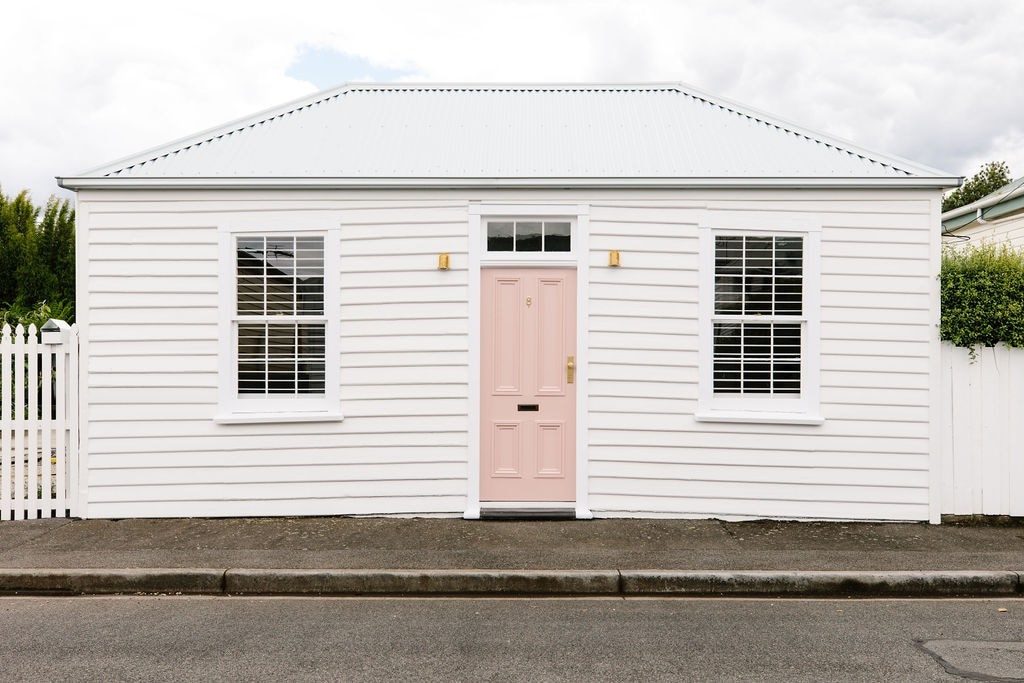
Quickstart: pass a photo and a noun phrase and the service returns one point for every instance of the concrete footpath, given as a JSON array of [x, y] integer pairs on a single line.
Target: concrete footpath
[[625, 557]]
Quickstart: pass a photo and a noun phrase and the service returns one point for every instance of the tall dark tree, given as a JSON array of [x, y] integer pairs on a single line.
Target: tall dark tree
[[990, 178], [17, 222], [56, 250], [37, 257]]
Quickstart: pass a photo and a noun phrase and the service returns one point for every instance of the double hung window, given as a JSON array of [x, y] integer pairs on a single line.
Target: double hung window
[[279, 328], [280, 324], [759, 325], [758, 319]]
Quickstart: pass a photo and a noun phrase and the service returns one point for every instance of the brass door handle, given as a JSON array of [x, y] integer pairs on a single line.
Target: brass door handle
[[570, 369]]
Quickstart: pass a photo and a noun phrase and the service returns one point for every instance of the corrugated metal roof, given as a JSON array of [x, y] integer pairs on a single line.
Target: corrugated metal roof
[[369, 134]]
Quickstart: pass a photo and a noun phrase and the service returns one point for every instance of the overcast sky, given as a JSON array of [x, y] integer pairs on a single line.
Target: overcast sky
[[84, 83]]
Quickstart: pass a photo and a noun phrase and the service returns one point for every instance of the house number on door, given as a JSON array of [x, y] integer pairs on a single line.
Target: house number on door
[[529, 301]]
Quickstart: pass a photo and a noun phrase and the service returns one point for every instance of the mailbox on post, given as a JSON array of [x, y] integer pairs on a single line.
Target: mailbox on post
[[55, 332]]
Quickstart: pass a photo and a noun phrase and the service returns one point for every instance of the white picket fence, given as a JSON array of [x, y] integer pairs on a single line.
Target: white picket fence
[[39, 463], [982, 431]]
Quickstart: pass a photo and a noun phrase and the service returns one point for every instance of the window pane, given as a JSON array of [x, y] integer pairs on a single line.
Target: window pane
[[786, 341], [281, 341], [758, 255], [252, 340], [728, 340], [757, 340], [729, 294], [756, 358], [310, 293], [727, 377], [786, 378], [757, 377], [789, 252], [729, 252], [757, 293], [528, 236], [557, 236], [311, 378], [281, 256], [311, 342], [788, 296], [309, 269], [758, 275], [500, 236], [249, 270], [280, 295], [252, 378], [281, 378]]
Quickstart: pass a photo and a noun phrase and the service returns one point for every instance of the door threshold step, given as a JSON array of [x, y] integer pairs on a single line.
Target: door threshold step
[[528, 512]]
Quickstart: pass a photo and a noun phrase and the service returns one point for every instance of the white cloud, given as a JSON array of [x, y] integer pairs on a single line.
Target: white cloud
[[937, 82]]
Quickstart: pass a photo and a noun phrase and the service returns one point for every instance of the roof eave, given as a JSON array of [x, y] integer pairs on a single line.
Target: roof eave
[[1008, 205], [205, 183], [1012, 191]]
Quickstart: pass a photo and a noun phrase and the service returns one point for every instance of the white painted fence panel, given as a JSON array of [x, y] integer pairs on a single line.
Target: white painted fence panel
[[982, 427], [38, 422]]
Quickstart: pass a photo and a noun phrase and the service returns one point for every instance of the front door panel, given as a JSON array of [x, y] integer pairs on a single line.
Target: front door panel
[[528, 405]]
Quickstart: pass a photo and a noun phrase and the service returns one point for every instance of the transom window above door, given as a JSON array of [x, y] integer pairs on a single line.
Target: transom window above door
[[529, 236]]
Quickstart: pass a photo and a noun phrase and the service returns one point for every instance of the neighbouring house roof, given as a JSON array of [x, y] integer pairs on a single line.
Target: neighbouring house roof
[[374, 135], [1004, 202]]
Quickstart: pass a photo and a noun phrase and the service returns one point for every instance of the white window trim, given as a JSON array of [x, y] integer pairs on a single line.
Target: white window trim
[[804, 409], [235, 409]]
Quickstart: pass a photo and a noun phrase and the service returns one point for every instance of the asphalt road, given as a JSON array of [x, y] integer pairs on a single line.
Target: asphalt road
[[232, 638]]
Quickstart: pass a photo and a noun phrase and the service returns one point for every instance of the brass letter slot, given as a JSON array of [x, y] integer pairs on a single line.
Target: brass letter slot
[[529, 407]]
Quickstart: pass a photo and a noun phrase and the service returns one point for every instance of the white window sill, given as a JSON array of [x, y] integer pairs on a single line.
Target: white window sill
[[254, 418], [760, 417]]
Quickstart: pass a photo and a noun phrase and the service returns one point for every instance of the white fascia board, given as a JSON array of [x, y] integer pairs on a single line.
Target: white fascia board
[[902, 182]]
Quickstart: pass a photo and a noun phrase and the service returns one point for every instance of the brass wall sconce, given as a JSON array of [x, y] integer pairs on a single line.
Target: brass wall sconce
[[613, 258], [442, 261]]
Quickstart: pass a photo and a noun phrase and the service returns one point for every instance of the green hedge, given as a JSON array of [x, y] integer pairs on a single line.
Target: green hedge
[[982, 296]]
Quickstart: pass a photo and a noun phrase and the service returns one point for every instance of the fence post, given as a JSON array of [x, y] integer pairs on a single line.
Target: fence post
[[6, 423], [56, 335], [36, 462]]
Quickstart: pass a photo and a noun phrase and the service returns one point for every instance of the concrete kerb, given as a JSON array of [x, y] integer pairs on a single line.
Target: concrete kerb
[[624, 583], [421, 582], [193, 581], [924, 584]]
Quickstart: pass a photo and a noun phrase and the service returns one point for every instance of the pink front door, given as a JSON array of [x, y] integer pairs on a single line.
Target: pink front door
[[528, 401]]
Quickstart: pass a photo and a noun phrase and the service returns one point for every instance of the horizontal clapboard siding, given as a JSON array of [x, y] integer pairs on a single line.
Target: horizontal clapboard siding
[[1007, 230], [404, 333], [869, 460], [154, 449]]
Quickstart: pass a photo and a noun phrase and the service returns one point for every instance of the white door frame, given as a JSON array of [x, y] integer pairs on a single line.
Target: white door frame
[[577, 258]]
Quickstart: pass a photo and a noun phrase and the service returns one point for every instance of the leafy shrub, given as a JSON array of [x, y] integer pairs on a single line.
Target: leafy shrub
[[19, 314], [982, 296]]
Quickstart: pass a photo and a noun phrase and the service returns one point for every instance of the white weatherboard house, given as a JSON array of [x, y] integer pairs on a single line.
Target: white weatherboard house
[[599, 300]]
